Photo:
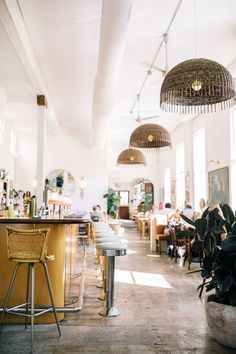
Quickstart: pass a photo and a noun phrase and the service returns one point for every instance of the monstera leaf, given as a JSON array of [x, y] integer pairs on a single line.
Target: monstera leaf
[[189, 221], [229, 244], [201, 226], [228, 213]]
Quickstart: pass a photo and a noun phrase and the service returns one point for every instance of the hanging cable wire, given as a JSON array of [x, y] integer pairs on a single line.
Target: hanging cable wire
[[195, 28], [164, 39]]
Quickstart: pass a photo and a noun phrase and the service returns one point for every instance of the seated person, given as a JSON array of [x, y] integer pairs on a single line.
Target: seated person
[[202, 205], [188, 211], [96, 214], [167, 210], [149, 212], [160, 206]]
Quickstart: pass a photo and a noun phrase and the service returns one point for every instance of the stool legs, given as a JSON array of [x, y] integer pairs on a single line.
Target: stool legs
[[27, 299], [32, 303], [110, 310], [51, 297], [30, 298], [9, 290]]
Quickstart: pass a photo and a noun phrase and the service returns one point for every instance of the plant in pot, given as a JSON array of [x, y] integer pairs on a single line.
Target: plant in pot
[[113, 202], [215, 237]]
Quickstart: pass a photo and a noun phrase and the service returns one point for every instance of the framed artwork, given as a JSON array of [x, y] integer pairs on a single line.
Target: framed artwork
[[218, 186]]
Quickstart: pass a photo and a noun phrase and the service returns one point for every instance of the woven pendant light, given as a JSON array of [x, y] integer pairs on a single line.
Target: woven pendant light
[[131, 157], [197, 86], [150, 136]]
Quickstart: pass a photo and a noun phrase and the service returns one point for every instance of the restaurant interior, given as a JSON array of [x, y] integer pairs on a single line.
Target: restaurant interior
[[117, 170]]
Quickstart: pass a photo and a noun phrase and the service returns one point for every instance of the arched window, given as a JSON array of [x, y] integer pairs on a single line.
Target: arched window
[[199, 167], [180, 176]]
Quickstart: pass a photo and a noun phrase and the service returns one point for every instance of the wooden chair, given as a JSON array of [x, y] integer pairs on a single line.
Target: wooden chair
[[145, 228], [178, 241], [161, 236]]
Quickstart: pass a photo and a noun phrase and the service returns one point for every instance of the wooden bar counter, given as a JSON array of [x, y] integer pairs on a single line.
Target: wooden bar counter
[[56, 246]]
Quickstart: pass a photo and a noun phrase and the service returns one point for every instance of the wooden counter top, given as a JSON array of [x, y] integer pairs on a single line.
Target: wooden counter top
[[43, 221]]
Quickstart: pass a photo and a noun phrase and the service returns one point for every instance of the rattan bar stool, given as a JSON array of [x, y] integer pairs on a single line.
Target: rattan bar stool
[[30, 247]]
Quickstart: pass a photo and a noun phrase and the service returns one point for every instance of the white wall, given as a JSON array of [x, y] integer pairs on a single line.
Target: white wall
[[65, 152], [25, 161], [6, 158], [217, 127], [69, 153], [122, 176]]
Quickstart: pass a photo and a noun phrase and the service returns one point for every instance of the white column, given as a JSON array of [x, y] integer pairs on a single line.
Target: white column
[[153, 226], [41, 130]]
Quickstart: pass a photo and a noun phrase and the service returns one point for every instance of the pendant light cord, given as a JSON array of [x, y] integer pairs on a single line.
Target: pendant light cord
[[195, 28], [165, 36]]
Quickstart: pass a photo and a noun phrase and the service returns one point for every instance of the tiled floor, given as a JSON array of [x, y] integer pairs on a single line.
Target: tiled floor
[[159, 305]]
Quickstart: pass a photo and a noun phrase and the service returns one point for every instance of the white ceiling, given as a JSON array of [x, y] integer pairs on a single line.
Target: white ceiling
[[90, 58]]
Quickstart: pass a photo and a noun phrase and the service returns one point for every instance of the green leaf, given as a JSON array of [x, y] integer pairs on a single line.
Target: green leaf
[[227, 283], [201, 226], [234, 227], [198, 246], [211, 297], [185, 233], [189, 221], [229, 244], [228, 213], [205, 213], [232, 297]]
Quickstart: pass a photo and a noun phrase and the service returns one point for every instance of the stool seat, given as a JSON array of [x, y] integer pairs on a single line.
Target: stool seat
[[103, 240], [47, 258], [112, 249], [99, 234], [108, 237], [105, 232]]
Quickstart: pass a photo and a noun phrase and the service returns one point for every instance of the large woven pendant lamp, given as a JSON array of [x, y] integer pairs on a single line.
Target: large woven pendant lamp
[[148, 136], [197, 86], [131, 157]]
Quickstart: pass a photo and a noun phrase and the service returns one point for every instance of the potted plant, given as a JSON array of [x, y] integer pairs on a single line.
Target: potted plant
[[215, 237], [59, 181], [17, 195], [113, 202]]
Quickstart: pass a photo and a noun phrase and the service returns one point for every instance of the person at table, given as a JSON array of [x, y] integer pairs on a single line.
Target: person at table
[[149, 212], [96, 214], [167, 210], [160, 206], [188, 211]]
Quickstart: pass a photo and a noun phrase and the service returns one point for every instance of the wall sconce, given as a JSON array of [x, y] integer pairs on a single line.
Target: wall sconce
[[214, 162], [82, 185]]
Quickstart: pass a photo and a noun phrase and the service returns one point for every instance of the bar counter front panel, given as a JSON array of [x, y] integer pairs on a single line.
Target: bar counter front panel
[[56, 246]]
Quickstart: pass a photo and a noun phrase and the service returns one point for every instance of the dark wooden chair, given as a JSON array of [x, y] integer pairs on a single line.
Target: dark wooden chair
[[183, 241], [161, 236]]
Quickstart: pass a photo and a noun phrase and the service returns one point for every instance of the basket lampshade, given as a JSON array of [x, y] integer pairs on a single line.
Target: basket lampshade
[[197, 86], [148, 136], [131, 157]]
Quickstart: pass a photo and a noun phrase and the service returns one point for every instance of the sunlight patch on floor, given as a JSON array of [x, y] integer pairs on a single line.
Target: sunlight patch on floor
[[140, 278], [153, 255], [125, 240], [131, 252]]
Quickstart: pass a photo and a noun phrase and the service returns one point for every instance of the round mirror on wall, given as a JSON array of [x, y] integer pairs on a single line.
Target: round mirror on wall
[[60, 182]]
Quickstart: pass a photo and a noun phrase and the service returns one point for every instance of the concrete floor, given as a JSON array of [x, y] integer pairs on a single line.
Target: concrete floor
[[159, 305]]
